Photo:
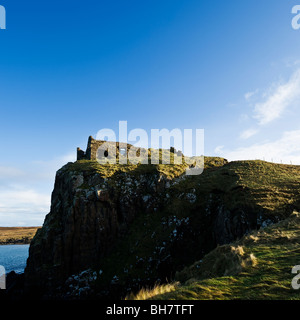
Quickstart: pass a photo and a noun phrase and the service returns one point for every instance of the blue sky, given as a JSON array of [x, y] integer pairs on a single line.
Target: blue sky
[[70, 68]]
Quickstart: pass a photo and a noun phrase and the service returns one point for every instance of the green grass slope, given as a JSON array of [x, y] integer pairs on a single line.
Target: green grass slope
[[258, 266]]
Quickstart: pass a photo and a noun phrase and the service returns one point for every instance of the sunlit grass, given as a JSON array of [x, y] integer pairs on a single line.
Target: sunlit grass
[[148, 293], [10, 235]]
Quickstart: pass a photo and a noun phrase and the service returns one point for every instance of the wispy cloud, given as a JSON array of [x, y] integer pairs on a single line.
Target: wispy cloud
[[48, 168], [250, 94], [278, 99], [248, 133], [19, 196], [10, 172], [36, 170], [25, 192], [19, 206], [219, 149], [286, 149]]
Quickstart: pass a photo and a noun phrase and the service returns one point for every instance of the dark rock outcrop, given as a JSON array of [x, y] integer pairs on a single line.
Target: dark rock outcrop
[[88, 214], [176, 220]]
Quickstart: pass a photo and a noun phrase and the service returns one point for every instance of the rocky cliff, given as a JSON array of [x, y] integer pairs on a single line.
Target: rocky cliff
[[113, 228]]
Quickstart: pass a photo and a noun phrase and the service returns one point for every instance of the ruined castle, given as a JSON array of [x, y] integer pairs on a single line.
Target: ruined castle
[[93, 146], [117, 148]]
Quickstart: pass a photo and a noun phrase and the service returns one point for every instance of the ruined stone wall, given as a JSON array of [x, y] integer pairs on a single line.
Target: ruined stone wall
[[93, 146], [121, 148]]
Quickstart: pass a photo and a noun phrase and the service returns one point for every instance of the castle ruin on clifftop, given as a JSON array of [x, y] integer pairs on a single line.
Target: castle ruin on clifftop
[[93, 146], [119, 147]]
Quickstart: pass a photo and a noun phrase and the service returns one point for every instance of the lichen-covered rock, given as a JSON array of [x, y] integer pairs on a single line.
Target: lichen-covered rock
[[78, 286]]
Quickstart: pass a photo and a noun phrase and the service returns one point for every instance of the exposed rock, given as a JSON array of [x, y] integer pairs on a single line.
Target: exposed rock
[[83, 224], [78, 286], [176, 222]]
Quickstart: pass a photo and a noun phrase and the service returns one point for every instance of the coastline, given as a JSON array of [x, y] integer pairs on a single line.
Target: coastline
[[17, 235]]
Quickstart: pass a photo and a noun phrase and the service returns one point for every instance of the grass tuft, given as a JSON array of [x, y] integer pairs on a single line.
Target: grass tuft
[[148, 293]]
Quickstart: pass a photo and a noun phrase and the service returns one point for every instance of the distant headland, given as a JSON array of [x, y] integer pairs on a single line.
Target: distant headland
[[17, 235]]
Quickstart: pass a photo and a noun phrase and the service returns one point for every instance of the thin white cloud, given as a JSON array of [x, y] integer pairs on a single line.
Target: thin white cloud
[[19, 196], [10, 172], [47, 168], [248, 133], [278, 99], [20, 204], [219, 149], [250, 94], [285, 150], [25, 192], [58, 161], [35, 171]]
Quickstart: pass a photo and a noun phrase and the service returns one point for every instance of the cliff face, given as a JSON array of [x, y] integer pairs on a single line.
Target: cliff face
[[89, 212], [135, 224]]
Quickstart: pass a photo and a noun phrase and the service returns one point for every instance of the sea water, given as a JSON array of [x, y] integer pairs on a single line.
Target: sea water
[[14, 257]]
